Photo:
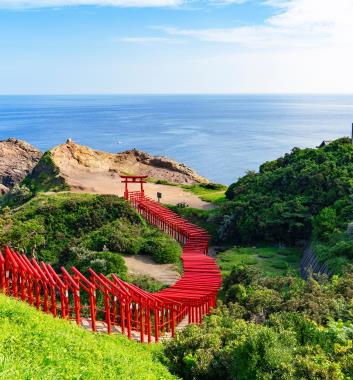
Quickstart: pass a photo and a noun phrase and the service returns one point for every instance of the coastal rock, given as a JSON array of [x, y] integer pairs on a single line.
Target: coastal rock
[[17, 159], [76, 161]]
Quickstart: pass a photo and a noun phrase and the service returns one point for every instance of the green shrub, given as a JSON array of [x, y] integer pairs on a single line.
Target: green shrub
[[101, 262], [146, 283], [118, 236], [224, 347], [213, 186], [162, 248]]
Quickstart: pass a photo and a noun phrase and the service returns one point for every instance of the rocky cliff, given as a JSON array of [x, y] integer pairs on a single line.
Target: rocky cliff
[[17, 159], [76, 161]]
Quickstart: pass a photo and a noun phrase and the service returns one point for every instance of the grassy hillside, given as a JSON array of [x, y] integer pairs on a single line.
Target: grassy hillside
[[208, 192], [36, 346], [83, 230]]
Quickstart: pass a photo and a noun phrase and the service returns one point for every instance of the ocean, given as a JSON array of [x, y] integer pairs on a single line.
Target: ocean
[[220, 136]]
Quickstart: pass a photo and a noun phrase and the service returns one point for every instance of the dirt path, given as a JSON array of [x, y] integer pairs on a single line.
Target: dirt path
[[102, 183], [165, 273]]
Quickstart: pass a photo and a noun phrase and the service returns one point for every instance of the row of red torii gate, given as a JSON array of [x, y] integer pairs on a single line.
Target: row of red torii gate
[[111, 304]]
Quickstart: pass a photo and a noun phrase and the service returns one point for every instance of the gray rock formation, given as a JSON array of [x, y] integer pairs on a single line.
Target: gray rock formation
[[17, 159]]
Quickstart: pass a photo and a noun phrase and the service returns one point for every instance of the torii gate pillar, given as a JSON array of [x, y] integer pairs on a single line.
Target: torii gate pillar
[[133, 179]]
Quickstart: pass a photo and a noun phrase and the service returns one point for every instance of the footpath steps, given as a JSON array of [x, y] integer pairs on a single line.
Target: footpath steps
[[110, 304]]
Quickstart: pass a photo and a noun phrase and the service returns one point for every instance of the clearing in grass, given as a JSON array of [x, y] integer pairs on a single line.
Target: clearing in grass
[[271, 261]]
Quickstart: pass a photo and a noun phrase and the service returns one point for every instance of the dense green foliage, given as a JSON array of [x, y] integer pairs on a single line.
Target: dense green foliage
[[332, 233], [36, 346], [55, 224], [304, 195], [271, 328], [278, 203]]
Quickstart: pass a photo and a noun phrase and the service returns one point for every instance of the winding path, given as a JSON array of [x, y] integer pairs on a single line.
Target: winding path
[[112, 305]]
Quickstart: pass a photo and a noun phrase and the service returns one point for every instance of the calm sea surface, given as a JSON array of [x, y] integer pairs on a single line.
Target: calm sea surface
[[220, 136]]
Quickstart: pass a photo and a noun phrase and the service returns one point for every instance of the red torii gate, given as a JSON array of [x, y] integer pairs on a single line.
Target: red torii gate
[[133, 179]]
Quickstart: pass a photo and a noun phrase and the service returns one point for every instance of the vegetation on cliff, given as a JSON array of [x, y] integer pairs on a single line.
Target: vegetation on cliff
[[306, 190], [45, 176]]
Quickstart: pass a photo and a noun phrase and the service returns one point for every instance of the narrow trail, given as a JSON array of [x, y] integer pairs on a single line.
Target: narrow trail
[[113, 305], [146, 266]]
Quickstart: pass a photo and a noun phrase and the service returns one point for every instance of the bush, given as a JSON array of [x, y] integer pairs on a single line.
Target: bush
[[213, 186], [101, 262], [162, 248], [228, 348], [118, 236], [287, 346], [146, 283]]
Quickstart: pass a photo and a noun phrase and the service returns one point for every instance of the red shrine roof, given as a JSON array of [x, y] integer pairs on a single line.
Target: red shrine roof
[[133, 176]]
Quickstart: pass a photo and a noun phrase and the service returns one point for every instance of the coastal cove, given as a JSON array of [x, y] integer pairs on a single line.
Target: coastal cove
[[193, 129]]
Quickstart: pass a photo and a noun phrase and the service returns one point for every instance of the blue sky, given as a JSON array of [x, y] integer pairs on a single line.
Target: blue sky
[[175, 46]]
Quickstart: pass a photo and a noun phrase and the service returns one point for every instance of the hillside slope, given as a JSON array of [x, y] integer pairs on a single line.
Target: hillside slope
[[36, 346]]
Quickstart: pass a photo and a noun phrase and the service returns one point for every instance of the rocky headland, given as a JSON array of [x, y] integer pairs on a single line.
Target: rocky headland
[[78, 168], [17, 159]]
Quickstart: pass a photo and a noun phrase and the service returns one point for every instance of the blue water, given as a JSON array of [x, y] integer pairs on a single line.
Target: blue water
[[220, 136]]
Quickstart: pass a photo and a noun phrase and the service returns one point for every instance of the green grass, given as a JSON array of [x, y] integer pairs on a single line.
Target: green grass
[[214, 193], [36, 346], [270, 260]]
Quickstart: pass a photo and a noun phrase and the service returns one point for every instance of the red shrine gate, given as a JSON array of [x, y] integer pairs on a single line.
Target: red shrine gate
[[139, 179], [122, 306]]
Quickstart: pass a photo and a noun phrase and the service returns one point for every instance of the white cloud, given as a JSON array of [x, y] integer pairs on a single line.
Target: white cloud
[[30, 4], [299, 23], [25, 4], [227, 2], [149, 40], [306, 47]]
